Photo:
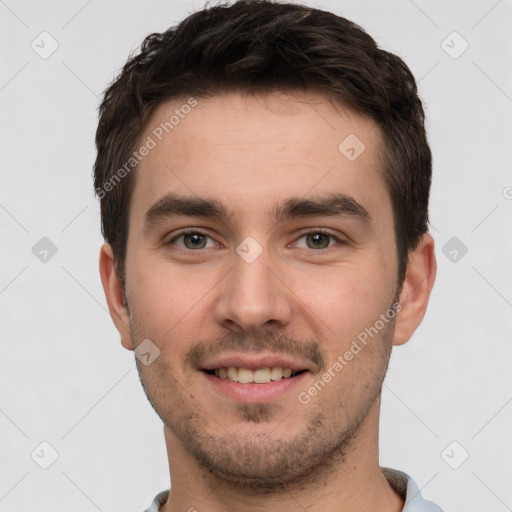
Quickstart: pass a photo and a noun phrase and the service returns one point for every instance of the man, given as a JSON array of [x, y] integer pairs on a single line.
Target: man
[[264, 177]]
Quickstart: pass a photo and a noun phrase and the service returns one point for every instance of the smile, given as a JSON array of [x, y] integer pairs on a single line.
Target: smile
[[258, 376]]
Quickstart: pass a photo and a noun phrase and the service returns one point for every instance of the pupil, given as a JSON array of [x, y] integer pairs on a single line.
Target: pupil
[[195, 238], [317, 239]]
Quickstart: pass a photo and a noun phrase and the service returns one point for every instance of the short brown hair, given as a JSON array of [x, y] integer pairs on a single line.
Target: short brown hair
[[258, 46]]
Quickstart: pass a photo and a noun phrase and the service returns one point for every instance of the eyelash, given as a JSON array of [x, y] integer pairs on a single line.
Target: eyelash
[[311, 231]]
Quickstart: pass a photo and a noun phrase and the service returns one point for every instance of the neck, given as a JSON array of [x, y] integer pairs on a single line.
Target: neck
[[352, 484]]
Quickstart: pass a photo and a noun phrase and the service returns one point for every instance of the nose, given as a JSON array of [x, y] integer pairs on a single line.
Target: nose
[[253, 296]]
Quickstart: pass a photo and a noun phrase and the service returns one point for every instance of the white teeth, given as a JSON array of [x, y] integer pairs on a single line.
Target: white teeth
[[245, 376], [262, 376], [233, 374], [259, 376], [276, 373]]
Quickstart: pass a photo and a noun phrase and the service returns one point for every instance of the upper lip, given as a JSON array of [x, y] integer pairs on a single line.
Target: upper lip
[[255, 362]]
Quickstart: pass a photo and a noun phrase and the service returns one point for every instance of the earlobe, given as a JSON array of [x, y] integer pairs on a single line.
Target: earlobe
[[415, 294], [114, 295]]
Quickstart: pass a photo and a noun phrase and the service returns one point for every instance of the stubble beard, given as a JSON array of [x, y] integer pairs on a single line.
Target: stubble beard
[[265, 461]]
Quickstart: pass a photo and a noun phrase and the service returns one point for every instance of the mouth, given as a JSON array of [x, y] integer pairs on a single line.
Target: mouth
[[257, 376], [255, 385]]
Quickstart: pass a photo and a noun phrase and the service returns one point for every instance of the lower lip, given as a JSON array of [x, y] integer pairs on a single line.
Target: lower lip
[[253, 393]]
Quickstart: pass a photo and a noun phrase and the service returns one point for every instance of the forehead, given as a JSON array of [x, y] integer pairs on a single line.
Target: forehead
[[252, 152]]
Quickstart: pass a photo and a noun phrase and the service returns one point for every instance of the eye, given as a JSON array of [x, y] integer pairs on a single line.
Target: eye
[[319, 239], [192, 240]]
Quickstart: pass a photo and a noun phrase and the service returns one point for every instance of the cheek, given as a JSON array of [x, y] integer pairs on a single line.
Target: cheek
[[155, 298], [170, 304], [163, 292], [346, 299]]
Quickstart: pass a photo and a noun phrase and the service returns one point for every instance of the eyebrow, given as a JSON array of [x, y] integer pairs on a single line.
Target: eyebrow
[[330, 205]]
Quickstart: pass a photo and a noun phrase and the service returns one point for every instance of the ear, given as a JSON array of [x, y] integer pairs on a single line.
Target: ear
[[114, 295], [418, 283]]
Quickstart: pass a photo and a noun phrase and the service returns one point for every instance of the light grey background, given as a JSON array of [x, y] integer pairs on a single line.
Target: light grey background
[[66, 380]]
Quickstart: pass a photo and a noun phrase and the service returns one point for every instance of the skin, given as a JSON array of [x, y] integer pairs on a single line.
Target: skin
[[250, 153]]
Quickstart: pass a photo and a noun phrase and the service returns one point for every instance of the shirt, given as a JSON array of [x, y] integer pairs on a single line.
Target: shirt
[[402, 483]]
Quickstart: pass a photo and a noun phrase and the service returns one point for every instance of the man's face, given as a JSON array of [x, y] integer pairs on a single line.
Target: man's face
[[254, 291]]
